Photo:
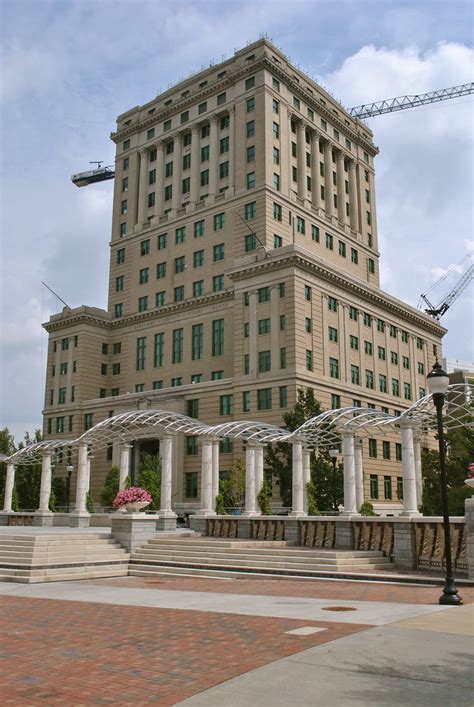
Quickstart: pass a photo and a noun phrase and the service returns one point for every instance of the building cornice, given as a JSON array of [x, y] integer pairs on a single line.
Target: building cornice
[[262, 62], [296, 257]]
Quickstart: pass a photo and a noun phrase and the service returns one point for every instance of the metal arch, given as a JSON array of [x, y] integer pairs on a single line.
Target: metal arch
[[250, 430], [326, 429], [458, 409], [138, 424], [31, 454]]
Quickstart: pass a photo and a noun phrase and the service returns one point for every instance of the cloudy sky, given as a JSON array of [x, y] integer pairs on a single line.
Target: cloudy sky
[[69, 67]]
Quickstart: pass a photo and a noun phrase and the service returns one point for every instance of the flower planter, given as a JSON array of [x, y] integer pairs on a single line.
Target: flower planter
[[469, 482], [136, 506]]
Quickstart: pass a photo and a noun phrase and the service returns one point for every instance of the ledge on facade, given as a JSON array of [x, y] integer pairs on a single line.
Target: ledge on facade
[[83, 313]]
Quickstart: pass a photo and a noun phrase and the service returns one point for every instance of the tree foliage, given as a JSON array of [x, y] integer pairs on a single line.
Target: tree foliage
[[111, 486], [279, 459], [232, 488], [149, 478], [459, 454]]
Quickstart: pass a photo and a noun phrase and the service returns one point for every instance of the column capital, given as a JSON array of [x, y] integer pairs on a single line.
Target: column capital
[[213, 119], [143, 151], [126, 446], [46, 453], [358, 442], [346, 434], [351, 162], [195, 128], [167, 436]]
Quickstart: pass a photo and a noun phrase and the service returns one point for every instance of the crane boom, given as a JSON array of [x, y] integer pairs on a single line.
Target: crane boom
[[451, 297], [390, 105]]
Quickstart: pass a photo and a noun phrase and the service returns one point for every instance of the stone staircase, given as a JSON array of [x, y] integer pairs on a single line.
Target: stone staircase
[[57, 557], [229, 558]]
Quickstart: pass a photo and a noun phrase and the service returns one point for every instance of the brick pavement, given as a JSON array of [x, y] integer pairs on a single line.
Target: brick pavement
[[76, 653], [333, 590]]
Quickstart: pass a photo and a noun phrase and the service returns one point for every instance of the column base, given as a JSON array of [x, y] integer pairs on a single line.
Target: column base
[[79, 519], [410, 514], [43, 519], [250, 514], [166, 520], [297, 514], [348, 513]]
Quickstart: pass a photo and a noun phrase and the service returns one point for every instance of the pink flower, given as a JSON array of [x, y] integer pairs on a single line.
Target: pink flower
[[131, 495]]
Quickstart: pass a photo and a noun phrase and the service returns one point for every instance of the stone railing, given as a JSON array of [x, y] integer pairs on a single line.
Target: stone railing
[[411, 543]]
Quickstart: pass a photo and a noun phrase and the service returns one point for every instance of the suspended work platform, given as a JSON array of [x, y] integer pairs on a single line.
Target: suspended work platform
[[83, 179]]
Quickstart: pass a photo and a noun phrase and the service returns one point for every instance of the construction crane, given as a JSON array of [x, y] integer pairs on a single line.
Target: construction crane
[[390, 105], [438, 311], [367, 110]]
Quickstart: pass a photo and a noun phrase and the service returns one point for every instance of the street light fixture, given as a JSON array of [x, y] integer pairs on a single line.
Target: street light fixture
[[69, 470], [438, 381], [333, 453]]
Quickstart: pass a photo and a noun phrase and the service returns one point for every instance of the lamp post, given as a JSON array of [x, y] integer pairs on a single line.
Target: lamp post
[[333, 453], [438, 382], [69, 470]]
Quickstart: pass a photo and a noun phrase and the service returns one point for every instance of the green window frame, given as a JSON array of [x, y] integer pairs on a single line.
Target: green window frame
[[159, 350], [141, 353], [264, 399], [177, 356], [217, 337], [197, 342], [226, 404]]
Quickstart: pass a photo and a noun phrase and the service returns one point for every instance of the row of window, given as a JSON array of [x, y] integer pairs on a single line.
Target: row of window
[[387, 487], [63, 344]]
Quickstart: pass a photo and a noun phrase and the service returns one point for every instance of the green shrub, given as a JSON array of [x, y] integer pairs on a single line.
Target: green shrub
[[111, 487], [367, 509], [220, 508], [311, 496], [149, 478], [264, 497]]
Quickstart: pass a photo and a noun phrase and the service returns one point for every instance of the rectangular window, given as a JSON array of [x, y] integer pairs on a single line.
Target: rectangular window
[[308, 325], [263, 294], [246, 401], [394, 357], [197, 342], [354, 256], [332, 334], [283, 396], [226, 404], [282, 357], [395, 386], [198, 288], [250, 154], [118, 310], [250, 104], [264, 399], [368, 348], [307, 293], [159, 350], [250, 128], [373, 448], [218, 337], [177, 356], [180, 235], [179, 293], [374, 486], [407, 391], [251, 210], [329, 241], [179, 264], [168, 192], [251, 180], [116, 369], [380, 325], [204, 178], [276, 155], [250, 242], [191, 445], [367, 319], [354, 342], [217, 283], [123, 230], [276, 130], [332, 304], [353, 313], [276, 182], [160, 298], [382, 383], [198, 258], [223, 170], [264, 361], [219, 220], [371, 266], [387, 487], [334, 367], [398, 451], [264, 326], [277, 212], [88, 421], [141, 353], [277, 241], [335, 401], [382, 353], [355, 375], [369, 379], [386, 449], [315, 233], [406, 362], [117, 347], [143, 276], [309, 360], [224, 145], [218, 252], [300, 225], [342, 249]]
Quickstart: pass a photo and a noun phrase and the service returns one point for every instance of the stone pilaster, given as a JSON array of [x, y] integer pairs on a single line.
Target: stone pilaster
[[404, 546], [328, 185], [132, 530]]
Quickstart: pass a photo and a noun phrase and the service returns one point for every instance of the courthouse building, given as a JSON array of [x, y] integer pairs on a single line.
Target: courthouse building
[[244, 265]]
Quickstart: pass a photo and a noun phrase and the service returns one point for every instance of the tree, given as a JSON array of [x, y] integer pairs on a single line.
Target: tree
[[279, 458], [111, 486], [459, 454], [232, 488], [149, 477]]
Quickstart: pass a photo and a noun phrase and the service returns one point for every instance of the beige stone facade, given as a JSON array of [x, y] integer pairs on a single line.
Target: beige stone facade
[[244, 265]]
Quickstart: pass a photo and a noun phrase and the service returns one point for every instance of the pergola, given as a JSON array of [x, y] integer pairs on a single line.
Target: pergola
[[349, 425]]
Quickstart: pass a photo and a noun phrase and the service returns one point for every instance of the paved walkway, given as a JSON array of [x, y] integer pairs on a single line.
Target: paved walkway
[[230, 643]]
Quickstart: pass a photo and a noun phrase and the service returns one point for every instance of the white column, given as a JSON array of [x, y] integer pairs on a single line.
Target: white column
[[45, 488], [306, 476], [82, 483], [258, 456], [124, 465], [194, 186], [409, 476], [215, 472], [349, 473], [9, 484], [353, 200], [315, 174], [160, 179], [359, 473], [206, 478], [418, 472], [301, 160], [297, 479], [142, 188], [213, 155], [341, 198], [89, 463], [250, 508], [328, 188], [166, 453]]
